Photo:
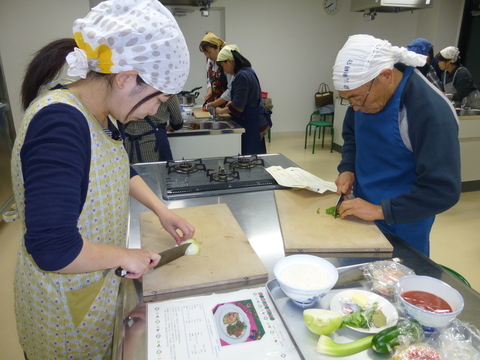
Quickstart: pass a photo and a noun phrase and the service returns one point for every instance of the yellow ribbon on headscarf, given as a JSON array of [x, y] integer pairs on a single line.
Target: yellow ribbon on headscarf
[[214, 39], [226, 52], [100, 58]]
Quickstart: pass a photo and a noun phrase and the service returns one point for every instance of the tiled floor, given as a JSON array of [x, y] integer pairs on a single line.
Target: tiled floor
[[454, 239]]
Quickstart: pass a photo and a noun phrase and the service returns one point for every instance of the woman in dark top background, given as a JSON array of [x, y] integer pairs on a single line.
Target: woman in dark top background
[[457, 82], [146, 140], [246, 105]]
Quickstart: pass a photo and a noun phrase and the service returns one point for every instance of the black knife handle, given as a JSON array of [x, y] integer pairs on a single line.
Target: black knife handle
[[120, 272]]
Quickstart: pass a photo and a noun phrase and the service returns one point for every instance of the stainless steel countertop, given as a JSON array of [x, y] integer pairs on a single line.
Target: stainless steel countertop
[[257, 215]]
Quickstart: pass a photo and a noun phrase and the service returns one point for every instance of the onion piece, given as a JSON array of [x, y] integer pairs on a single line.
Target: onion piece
[[194, 247]]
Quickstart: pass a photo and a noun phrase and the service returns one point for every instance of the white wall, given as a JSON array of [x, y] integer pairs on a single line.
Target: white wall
[[26, 26], [292, 44]]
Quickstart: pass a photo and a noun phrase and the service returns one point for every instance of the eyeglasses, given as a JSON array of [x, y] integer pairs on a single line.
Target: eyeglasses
[[347, 102]]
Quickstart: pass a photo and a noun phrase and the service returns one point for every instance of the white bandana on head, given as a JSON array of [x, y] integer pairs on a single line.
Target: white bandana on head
[[450, 53], [363, 57], [122, 35]]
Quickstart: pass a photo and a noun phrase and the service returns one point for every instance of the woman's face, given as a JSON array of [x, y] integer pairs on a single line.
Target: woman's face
[[228, 66], [211, 53], [149, 107], [130, 95], [442, 64]]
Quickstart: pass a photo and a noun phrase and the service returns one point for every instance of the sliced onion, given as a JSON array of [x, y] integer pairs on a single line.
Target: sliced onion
[[194, 247]]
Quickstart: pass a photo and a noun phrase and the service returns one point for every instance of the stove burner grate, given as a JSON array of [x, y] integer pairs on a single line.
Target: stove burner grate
[[243, 162], [222, 175], [185, 166]]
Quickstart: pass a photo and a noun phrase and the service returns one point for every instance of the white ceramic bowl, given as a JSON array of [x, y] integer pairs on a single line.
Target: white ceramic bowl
[[429, 320], [299, 288]]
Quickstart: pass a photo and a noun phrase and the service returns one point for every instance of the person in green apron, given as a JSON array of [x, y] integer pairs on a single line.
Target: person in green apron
[[401, 154], [457, 82], [72, 178]]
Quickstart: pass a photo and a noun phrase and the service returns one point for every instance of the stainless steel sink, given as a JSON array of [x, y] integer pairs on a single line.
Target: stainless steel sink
[[468, 112], [208, 125]]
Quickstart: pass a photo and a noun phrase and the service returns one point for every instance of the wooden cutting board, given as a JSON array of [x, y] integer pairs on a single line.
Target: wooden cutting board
[[305, 230], [200, 114], [226, 259]]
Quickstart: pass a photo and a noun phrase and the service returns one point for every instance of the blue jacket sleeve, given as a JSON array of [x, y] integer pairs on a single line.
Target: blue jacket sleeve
[[433, 133], [349, 148], [55, 163]]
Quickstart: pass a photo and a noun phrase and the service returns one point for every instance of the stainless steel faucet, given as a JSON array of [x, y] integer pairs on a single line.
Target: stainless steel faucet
[[212, 112]]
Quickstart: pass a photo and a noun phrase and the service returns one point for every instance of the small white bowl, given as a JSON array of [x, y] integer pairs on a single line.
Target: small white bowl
[[327, 275], [428, 319]]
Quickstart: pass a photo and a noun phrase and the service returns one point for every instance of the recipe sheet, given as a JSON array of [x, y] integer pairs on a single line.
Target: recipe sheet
[[295, 177], [232, 326]]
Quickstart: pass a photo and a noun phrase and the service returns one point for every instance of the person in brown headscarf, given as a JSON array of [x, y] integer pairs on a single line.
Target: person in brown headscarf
[[218, 81]]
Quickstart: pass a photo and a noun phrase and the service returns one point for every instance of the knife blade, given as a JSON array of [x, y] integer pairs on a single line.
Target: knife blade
[[165, 257], [341, 198], [354, 273]]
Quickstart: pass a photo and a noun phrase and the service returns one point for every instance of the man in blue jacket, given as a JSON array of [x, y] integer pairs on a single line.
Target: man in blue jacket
[[401, 154]]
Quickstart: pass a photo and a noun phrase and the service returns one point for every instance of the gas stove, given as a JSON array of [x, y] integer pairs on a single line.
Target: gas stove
[[185, 179]]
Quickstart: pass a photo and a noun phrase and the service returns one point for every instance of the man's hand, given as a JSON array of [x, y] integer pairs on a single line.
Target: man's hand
[[361, 209], [345, 182]]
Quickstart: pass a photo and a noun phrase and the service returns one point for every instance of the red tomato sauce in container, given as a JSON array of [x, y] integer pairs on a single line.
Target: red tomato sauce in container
[[427, 301]]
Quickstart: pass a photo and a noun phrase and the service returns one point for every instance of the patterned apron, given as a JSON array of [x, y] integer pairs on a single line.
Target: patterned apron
[[215, 78], [71, 316], [385, 168]]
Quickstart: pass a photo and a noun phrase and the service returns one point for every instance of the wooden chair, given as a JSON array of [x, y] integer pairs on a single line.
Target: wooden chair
[[320, 124]]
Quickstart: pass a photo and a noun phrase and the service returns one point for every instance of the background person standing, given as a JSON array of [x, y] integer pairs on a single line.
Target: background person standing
[[457, 82], [218, 81], [246, 105], [146, 140]]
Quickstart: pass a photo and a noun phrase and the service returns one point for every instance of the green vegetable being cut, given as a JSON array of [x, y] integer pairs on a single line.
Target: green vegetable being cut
[[331, 211]]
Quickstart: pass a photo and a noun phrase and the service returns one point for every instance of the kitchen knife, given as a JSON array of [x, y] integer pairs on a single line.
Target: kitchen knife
[[166, 257], [337, 207], [353, 273]]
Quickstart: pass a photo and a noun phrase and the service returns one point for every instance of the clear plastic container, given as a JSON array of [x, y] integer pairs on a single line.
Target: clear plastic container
[[383, 275]]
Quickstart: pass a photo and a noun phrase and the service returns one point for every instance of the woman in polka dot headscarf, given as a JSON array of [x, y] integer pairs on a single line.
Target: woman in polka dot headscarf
[[72, 178], [457, 82]]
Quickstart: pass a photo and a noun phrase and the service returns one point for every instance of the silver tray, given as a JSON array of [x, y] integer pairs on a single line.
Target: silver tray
[[304, 339]]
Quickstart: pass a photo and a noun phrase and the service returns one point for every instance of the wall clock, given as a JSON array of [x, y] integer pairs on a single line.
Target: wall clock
[[331, 7]]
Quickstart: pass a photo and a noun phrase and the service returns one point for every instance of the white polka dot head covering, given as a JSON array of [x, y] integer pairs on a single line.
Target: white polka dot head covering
[[450, 53], [363, 57], [122, 35]]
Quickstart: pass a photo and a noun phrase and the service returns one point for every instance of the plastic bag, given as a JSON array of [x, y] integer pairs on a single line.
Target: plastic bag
[[382, 276]]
